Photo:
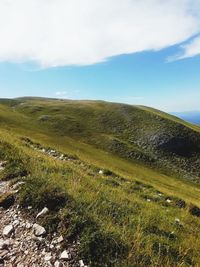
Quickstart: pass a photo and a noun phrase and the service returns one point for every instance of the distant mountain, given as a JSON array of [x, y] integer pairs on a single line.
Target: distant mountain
[[190, 116]]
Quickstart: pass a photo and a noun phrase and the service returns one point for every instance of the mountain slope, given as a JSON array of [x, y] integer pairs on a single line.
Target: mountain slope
[[103, 170], [136, 133]]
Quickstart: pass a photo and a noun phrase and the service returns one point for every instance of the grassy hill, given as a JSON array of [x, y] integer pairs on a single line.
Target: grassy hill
[[127, 214], [138, 134]]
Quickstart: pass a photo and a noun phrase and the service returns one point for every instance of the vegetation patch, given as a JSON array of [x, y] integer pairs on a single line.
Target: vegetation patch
[[102, 249], [40, 193], [194, 210]]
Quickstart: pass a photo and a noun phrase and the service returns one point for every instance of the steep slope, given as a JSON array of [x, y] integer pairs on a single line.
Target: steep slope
[[139, 134]]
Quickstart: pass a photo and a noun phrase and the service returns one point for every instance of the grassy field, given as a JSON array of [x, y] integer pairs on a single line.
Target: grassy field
[[138, 211]]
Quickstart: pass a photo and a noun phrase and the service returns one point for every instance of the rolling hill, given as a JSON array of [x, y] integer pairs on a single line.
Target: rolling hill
[[121, 175], [136, 133]]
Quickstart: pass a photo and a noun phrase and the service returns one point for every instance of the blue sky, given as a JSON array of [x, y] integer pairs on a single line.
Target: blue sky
[[138, 52], [142, 78]]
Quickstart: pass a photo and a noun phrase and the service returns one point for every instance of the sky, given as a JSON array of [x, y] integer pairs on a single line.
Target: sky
[[138, 52]]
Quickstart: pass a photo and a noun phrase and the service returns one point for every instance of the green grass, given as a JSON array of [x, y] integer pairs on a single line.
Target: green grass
[[109, 214], [138, 134]]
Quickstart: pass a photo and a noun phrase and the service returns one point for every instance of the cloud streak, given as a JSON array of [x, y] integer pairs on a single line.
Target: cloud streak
[[190, 49], [76, 32], [61, 93]]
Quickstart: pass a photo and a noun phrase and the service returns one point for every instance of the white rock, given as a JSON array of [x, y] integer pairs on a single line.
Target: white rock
[[177, 221], [81, 263], [61, 156], [60, 239], [57, 240], [3, 244], [64, 255], [168, 200], [148, 200], [17, 185], [15, 216], [42, 212], [48, 257], [8, 230], [101, 172], [28, 225], [16, 223], [38, 230], [57, 264]]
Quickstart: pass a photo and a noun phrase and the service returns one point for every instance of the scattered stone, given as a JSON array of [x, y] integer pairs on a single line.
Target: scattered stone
[[101, 172], [168, 200], [61, 157], [38, 230], [23, 248], [57, 264], [81, 263], [172, 235], [178, 222], [3, 244], [17, 185], [148, 200], [60, 239], [8, 230], [42, 212], [48, 257], [65, 255], [28, 225], [16, 223]]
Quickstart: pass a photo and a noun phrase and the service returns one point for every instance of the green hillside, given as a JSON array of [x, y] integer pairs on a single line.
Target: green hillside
[[138, 134], [125, 215]]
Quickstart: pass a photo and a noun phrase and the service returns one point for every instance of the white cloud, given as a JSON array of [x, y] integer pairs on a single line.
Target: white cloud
[[73, 93], [83, 32], [61, 93], [129, 99], [190, 49]]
